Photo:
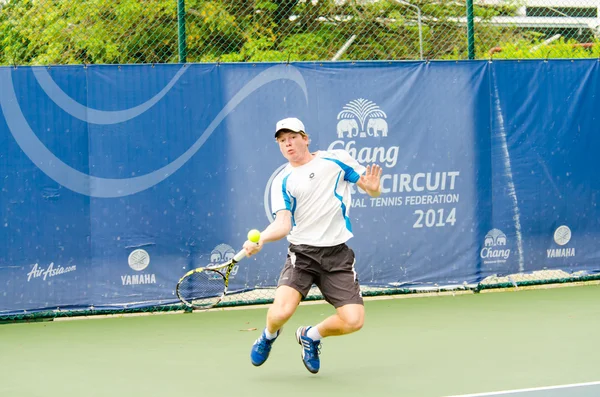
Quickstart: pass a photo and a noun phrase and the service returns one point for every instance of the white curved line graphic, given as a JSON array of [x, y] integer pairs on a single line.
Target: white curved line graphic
[[94, 116], [270, 216], [93, 186]]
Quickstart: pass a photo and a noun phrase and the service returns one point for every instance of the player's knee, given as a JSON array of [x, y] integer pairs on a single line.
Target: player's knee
[[355, 323], [282, 311], [354, 320]]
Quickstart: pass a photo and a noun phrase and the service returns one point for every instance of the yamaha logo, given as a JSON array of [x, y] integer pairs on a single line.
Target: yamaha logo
[[562, 235], [138, 260]]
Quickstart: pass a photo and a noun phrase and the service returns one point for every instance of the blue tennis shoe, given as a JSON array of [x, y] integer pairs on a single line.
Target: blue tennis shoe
[[310, 350], [261, 349]]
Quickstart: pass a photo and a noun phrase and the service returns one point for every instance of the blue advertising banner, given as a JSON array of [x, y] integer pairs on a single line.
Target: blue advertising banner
[[116, 180], [544, 137]]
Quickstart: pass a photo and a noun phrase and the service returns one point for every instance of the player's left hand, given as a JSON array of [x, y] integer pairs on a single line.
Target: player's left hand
[[370, 180]]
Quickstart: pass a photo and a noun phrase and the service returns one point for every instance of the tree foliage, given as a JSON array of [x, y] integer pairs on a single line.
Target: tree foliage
[[136, 31]]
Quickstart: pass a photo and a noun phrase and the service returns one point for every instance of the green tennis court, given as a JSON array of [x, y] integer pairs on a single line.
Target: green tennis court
[[424, 346]]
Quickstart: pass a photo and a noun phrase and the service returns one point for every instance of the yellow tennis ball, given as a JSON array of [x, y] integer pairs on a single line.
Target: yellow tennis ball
[[254, 235]]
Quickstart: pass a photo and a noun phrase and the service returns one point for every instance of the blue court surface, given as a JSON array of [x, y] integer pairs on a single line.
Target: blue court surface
[[590, 389]]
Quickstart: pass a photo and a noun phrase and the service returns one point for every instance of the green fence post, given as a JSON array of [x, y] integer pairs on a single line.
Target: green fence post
[[470, 30], [181, 30]]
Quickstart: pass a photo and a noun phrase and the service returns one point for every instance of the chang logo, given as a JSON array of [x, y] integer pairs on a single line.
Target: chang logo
[[494, 247], [361, 118], [223, 253]]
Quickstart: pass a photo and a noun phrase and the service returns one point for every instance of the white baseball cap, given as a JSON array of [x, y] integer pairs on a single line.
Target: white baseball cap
[[290, 124]]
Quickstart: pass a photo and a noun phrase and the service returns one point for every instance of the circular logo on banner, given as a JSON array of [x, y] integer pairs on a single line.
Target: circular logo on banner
[[562, 235], [138, 260]]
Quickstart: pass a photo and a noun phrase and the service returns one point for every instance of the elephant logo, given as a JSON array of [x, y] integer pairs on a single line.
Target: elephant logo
[[377, 126], [495, 250], [362, 118], [495, 238], [221, 253], [349, 127]]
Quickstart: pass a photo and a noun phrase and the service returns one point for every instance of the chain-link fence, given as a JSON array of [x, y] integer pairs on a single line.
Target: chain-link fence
[[42, 32]]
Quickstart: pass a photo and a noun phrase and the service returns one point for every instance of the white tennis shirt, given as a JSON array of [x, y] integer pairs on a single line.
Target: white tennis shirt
[[318, 194]]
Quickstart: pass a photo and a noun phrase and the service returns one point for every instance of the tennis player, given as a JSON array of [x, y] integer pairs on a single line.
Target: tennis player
[[310, 199]]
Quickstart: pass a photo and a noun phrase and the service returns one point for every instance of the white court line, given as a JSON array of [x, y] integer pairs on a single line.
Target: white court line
[[500, 393]]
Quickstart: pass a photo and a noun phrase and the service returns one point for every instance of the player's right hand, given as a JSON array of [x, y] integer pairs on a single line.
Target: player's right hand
[[252, 248]]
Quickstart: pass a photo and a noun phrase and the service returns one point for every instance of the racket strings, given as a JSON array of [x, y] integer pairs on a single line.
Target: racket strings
[[202, 289]]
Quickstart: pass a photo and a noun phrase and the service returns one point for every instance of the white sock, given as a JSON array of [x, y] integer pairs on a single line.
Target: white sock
[[313, 333], [269, 335]]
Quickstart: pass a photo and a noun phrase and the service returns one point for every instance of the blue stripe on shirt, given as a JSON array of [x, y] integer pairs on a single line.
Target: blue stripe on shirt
[[287, 198], [349, 174], [347, 219]]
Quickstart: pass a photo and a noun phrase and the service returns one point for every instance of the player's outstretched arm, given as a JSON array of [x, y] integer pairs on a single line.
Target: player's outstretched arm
[[277, 230], [370, 181]]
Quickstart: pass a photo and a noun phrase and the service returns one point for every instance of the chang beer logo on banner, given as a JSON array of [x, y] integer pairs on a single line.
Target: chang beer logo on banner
[[361, 118], [138, 260], [494, 247], [364, 119], [223, 253], [562, 237], [364, 132]]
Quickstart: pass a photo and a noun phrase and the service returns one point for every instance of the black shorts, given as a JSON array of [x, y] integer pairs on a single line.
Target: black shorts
[[330, 268]]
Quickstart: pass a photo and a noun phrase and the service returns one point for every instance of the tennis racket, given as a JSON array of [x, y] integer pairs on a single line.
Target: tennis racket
[[204, 287]]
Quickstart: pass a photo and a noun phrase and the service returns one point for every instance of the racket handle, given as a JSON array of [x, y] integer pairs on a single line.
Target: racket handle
[[239, 256]]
